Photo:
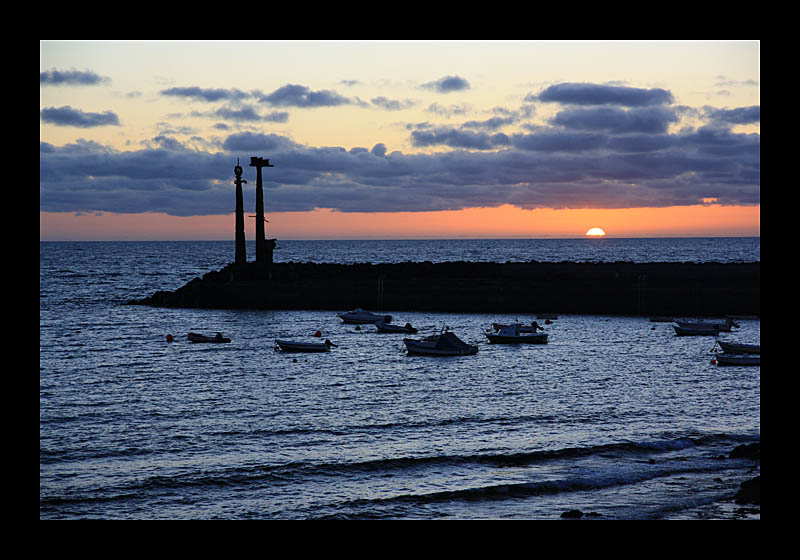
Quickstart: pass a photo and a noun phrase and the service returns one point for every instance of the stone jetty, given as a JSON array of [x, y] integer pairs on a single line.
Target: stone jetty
[[614, 288]]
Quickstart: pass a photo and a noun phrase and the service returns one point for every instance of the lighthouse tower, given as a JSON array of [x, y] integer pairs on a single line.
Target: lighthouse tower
[[261, 243], [241, 251]]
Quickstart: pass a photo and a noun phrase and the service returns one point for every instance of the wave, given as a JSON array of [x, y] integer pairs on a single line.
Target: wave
[[616, 464]]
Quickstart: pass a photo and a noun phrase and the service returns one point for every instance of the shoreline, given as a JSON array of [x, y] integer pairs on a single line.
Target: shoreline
[[608, 288]]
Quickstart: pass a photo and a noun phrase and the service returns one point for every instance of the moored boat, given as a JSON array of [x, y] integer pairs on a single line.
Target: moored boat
[[196, 337], [726, 359], [723, 325], [388, 328], [444, 344], [739, 348], [511, 334], [361, 317], [292, 346], [532, 328], [696, 329]]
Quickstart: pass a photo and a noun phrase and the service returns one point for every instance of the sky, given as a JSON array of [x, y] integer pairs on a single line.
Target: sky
[[400, 139]]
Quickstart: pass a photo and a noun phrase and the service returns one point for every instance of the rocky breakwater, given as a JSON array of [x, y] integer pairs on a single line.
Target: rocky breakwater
[[617, 288]]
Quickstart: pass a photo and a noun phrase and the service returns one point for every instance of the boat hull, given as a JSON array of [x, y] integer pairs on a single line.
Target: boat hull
[[738, 359], [198, 338], [695, 331], [289, 346], [360, 317], [738, 348], [721, 326], [540, 338], [384, 328], [445, 344], [422, 349]]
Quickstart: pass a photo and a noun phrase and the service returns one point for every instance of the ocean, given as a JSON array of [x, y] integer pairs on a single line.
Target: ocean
[[615, 416]]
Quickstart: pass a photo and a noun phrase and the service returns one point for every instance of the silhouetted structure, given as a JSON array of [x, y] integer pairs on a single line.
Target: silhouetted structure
[[261, 245], [241, 251]]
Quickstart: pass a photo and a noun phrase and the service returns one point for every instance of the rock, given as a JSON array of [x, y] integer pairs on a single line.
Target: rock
[[749, 492], [749, 451], [572, 514]]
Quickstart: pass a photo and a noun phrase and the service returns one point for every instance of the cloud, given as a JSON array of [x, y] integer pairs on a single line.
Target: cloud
[[492, 123], [609, 147], [456, 138], [293, 95], [616, 121], [71, 78], [67, 116], [548, 168], [598, 94], [447, 84], [290, 95], [206, 94], [249, 114], [450, 111], [392, 104], [257, 142], [740, 115]]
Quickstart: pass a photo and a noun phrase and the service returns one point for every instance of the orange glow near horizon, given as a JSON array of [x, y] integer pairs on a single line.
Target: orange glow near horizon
[[501, 222]]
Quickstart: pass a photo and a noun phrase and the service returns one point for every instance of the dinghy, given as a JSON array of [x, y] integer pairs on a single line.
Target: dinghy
[[387, 328], [195, 337], [292, 346], [726, 359], [739, 348]]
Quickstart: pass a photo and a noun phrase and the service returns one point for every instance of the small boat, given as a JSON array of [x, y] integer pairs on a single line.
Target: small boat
[[532, 328], [195, 337], [723, 325], [387, 328], [726, 359], [739, 348], [291, 346], [512, 334], [361, 317], [695, 329], [444, 344]]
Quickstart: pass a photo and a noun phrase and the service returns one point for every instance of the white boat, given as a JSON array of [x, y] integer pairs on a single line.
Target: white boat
[[511, 334], [695, 329], [387, 328], [726, 359], [361, 317], [292, 346], [722, 325], [444, 344], [739, 348]]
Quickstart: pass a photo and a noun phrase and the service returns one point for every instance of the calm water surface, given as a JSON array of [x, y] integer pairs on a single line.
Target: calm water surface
[[614, 416]]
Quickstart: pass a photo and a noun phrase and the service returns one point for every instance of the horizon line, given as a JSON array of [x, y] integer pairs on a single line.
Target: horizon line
[[540, 238]]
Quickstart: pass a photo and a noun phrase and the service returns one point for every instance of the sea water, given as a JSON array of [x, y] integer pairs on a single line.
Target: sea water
[[614, 416]]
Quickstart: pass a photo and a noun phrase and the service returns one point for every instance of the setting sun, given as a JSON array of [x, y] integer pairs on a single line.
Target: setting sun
[[595, 232]]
